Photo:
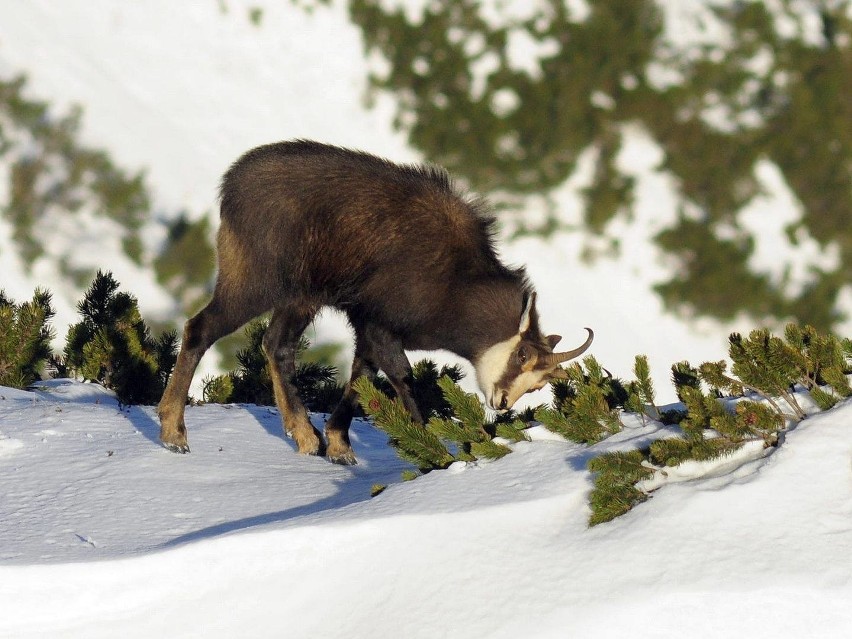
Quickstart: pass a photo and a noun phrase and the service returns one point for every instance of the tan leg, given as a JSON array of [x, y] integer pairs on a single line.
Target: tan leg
[[199, 334], [279, 344]]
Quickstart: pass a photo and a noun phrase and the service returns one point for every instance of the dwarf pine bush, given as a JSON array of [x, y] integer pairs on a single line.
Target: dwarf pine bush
[[765, 365], [589, 404], [113, 345], [444, 440], [250, 383], [25, 336]]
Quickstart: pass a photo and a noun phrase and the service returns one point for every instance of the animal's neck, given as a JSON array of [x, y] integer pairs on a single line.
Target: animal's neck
[[489, 314]]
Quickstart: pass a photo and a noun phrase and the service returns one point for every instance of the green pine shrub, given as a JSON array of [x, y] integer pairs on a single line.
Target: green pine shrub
[[585, 406], [113, 345], [588, 405], [615, 492], [25, 335], [766, 365], [250, 383], [443, 440]]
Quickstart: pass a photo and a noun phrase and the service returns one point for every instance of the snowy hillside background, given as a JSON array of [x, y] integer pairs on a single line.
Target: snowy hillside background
[[103, 531], [179, 93]]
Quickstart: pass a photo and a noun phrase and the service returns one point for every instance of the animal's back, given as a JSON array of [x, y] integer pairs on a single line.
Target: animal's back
[[347, 226]]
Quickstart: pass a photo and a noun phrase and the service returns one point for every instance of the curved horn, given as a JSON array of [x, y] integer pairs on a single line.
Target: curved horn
[[553, 359]]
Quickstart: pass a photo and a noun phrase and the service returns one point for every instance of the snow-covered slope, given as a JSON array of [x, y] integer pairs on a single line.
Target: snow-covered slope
[[104, 533]]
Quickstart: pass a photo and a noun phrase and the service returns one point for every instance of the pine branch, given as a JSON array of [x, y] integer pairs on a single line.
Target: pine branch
[[489, 449], [466, 406], [414, 443], [514, 431], [714, 374], [615, 492], [645, 385]]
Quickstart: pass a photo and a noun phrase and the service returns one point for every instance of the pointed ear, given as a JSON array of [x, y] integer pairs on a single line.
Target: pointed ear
[[528, 315], [553, 340], [559, 373]]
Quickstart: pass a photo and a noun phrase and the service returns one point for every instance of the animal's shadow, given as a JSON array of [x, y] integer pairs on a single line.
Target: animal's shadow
[[379, 465], [142, 420]]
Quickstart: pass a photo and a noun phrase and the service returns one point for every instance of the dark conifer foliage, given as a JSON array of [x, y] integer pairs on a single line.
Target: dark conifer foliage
[[250, 383], [25, 335], [113, 345]]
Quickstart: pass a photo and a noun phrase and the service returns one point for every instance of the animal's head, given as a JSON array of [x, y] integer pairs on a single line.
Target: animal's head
[[523, 363]]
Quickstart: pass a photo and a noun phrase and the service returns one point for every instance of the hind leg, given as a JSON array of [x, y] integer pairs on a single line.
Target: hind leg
[[280, 343], [199, 335]]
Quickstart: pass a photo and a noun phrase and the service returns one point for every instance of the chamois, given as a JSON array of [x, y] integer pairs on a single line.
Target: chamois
[[399, 249]]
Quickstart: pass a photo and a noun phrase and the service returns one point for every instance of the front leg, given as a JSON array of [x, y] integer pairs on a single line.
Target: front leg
[[389, 355], [374, 348], [339, 449]]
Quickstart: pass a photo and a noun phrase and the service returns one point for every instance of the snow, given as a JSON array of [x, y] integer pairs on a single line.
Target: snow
[[769, 216], [104, 532]]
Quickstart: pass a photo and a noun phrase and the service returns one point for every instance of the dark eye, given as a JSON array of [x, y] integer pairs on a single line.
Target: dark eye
[[523, 356]]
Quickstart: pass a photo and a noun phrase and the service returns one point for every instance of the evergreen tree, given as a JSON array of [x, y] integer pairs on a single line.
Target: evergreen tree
[[784, 100]]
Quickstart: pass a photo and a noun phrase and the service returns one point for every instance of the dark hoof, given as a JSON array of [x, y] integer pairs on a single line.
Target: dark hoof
[[176, 448]]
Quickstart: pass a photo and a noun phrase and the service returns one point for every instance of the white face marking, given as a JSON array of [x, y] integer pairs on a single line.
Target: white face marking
[[524, 383], [491, 366]]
